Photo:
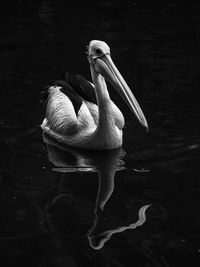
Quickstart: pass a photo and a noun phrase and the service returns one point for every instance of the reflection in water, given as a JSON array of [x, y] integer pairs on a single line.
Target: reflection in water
[[98, 239], [105, 163]]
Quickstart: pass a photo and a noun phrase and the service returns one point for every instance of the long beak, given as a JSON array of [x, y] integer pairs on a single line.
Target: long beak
[[105, 66]]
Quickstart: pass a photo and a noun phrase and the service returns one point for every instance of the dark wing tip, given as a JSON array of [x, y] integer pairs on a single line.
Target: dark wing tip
[[82, 86], [67, 89]]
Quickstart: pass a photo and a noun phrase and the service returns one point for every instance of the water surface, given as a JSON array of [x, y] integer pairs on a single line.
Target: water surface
[[136, 206]]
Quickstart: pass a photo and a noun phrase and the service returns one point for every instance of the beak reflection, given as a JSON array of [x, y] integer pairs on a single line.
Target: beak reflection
[[106, 164]]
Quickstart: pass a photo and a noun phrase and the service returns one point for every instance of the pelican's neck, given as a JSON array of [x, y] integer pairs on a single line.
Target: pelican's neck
[[106, 117]]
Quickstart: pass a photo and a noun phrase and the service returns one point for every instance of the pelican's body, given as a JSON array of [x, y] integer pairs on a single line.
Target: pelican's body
[[81, 128], [81, 114]]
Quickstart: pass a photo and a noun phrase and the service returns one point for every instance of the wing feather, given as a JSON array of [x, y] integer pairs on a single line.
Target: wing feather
[[81, 86], [60, 112]]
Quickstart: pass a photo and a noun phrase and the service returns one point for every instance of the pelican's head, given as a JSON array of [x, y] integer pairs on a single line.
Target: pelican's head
[[99, 56], [97, 49]]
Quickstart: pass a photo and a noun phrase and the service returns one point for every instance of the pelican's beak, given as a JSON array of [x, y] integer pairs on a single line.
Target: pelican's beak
[[105, 66]]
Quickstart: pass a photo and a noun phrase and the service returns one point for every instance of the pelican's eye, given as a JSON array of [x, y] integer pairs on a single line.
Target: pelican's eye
[[98, 51]]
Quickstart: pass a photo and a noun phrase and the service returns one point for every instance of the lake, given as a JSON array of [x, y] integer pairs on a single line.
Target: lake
[[134, 206]]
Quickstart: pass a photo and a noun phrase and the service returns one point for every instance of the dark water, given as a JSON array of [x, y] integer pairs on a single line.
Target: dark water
[[136, 206]]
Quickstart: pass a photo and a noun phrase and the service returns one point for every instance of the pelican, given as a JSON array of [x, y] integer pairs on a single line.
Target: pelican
[[81, 114]]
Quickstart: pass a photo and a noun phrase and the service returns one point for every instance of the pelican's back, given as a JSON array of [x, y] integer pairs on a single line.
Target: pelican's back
[[63, 101]]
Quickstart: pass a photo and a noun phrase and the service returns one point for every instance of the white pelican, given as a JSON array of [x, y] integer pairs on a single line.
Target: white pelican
[[81, 114]]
